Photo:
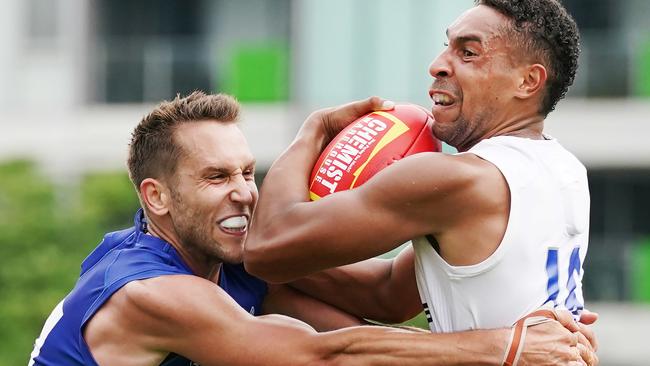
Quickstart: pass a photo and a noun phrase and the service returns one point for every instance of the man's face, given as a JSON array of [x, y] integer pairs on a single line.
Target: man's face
[[474, 79], [213, 190]]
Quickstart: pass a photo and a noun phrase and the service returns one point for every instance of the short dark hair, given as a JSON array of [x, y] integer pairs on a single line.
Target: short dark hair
[[153, 153], [543, 29]]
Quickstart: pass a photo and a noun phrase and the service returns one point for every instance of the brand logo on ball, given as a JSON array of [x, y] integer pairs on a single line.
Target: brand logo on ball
[[351, 151]]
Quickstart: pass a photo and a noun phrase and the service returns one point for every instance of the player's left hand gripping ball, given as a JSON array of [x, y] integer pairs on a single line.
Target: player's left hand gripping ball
[[370, 144]]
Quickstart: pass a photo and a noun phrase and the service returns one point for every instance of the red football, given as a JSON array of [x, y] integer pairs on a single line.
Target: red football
[[370, 144]]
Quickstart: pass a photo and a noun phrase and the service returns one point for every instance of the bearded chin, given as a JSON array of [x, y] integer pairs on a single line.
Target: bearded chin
[[454, 134], [194, 239]]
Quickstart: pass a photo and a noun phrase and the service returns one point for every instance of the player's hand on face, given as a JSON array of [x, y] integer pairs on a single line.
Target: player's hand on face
[[557, 343], [332, 120]]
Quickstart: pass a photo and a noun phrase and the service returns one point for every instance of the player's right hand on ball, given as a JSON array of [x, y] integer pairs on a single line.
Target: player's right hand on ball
[[330, 121], [561, 342]]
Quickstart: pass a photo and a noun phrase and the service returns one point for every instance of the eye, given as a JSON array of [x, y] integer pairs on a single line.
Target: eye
[[468, 53], [217, 177], [249, 174], [446, 44]]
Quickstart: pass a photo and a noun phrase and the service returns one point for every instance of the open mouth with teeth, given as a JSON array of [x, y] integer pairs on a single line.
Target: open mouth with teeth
[[442, 99], [234, 225]]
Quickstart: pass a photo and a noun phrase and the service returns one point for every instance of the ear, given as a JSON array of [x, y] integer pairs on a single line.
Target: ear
[[155, 196], [532, 80]]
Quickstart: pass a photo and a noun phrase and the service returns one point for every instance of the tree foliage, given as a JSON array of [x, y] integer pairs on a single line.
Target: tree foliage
[[46, 230]]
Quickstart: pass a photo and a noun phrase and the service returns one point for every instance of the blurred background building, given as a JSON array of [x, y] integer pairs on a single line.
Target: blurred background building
[[77, 75]]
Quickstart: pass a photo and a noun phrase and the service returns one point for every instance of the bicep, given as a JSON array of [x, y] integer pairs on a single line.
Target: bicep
[[402, 290]]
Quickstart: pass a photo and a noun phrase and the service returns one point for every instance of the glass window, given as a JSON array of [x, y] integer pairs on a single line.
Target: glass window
[[148, 50]]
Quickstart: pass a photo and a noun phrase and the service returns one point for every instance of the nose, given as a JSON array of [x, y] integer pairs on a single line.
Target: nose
[[440, 67], [242, 190]]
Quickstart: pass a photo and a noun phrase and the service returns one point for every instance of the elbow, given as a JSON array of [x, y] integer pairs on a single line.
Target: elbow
[[257, 263], [262, 261]]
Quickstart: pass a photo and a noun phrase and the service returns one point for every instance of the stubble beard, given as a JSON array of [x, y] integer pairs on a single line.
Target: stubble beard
[[195, 235], [464, 133], [454, 134]]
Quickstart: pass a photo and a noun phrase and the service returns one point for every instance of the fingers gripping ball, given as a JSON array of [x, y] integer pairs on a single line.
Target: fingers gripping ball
[[370, 144]]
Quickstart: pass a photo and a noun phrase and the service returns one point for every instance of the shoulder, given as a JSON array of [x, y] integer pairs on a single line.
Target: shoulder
[[162, 306], [162, 297], [156, 311], [152, 317]]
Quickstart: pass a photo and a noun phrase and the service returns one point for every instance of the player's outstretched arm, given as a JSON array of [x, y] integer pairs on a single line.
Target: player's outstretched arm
[[195, 318]]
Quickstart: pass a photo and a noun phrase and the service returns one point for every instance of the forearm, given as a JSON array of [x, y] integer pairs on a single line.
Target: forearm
[[285, 184], [291, 237], [287, 181], [379, 346], [322, 316], [384, 290], [361, 289], [288, 230], [340, 287]]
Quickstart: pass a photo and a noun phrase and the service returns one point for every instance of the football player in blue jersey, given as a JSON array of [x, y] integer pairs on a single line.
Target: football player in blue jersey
[[171, 290]]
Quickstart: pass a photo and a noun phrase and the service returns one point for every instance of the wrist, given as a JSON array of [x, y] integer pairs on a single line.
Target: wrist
[[311, 134], [502, 343], [488, 348], [496, 347]]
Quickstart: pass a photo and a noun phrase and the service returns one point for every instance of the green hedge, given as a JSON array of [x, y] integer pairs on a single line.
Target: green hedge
[[45, 232]]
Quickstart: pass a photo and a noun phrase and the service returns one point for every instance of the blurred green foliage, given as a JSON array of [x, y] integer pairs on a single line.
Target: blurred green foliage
[[46, 230], [640, 271]]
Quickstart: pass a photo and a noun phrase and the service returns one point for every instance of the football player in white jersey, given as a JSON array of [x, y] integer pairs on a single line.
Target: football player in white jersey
[[498, 229]]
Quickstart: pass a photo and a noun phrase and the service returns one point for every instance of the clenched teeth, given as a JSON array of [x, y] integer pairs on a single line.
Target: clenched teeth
[[442, 99], [234, 223]]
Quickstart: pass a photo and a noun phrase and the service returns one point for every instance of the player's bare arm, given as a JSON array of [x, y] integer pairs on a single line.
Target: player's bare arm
[[321, 315], [365, 289], [379, 289], [428, 193], [193, 317]]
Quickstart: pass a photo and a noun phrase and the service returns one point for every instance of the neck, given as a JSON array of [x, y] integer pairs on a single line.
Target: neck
[[530, 127], [200, 264]]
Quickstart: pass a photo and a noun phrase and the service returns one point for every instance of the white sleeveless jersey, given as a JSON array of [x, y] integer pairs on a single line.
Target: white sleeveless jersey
[[538, 262]]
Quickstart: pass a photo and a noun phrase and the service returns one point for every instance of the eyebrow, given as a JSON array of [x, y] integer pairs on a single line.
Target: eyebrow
[[466, 38], [252, 163], [226, 170]]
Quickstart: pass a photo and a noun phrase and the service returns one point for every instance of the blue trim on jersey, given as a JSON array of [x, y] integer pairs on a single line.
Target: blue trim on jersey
[[120, 258]]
